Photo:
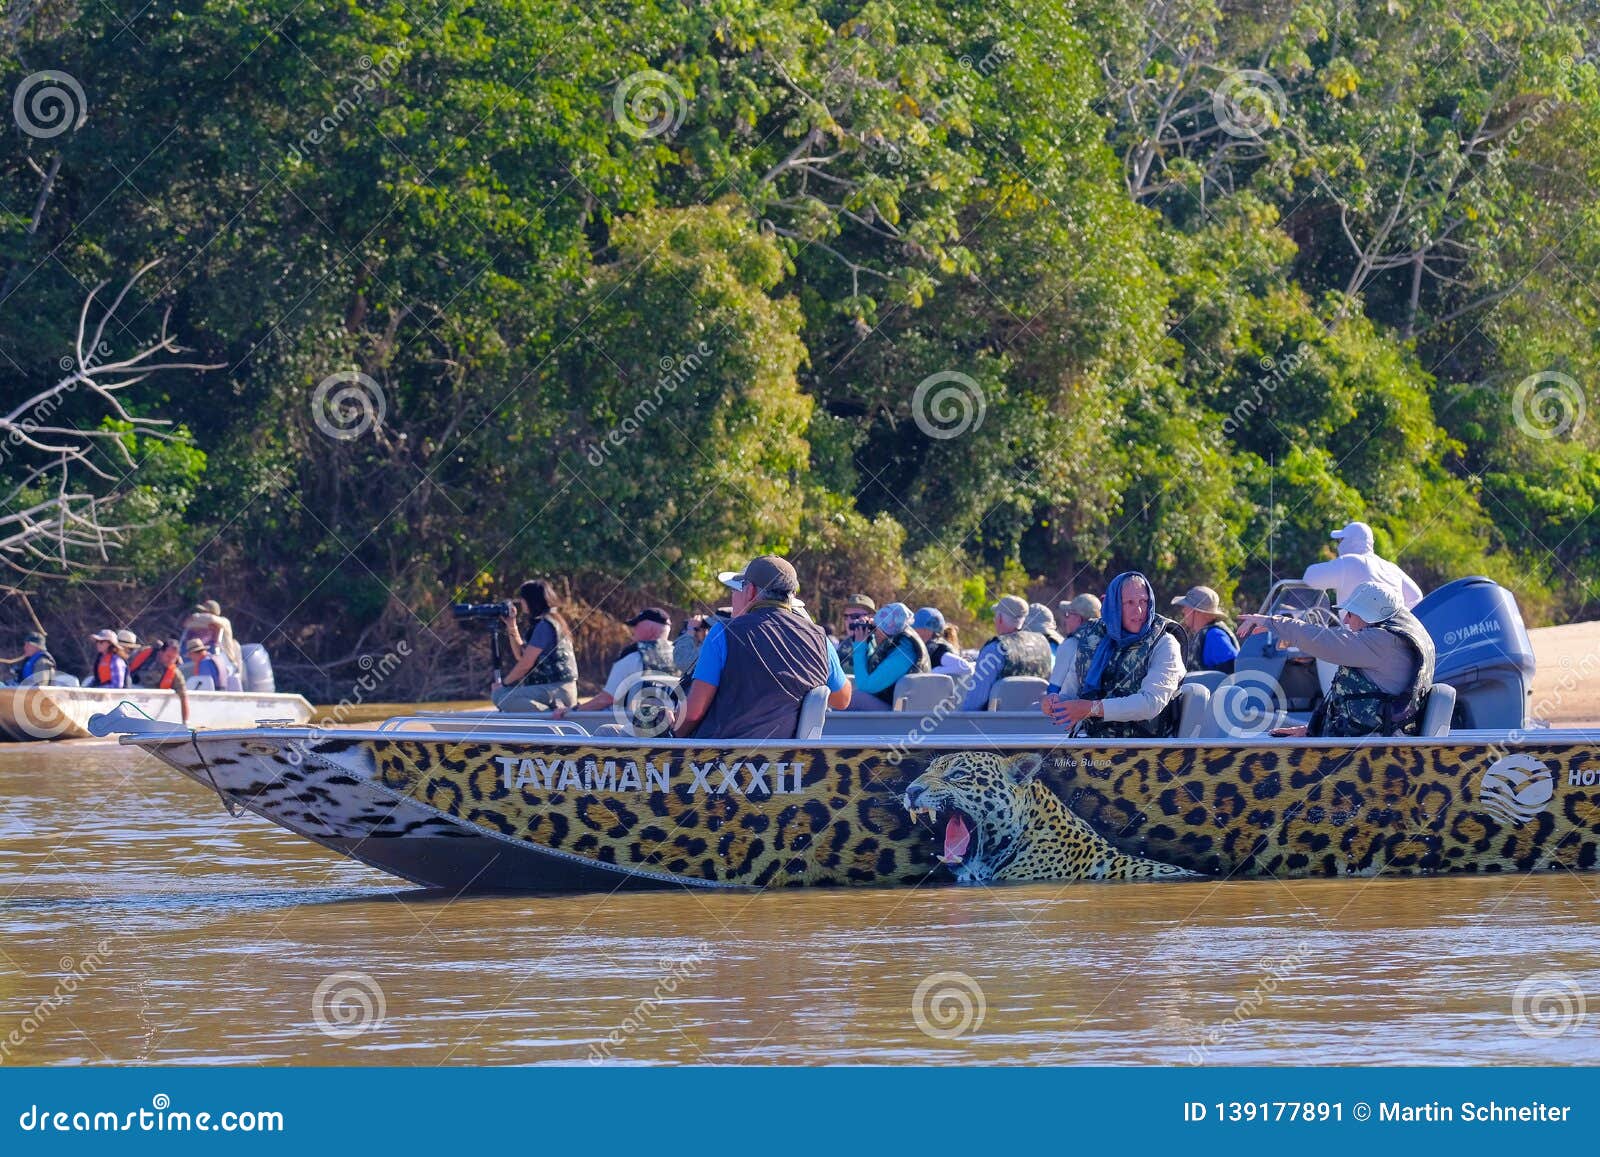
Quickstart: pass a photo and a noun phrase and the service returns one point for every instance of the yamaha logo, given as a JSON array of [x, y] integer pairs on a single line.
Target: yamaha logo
[[1516, 788], [1483, 628]]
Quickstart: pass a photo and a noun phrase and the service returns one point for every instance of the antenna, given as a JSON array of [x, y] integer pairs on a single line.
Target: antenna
[[1272, 513]]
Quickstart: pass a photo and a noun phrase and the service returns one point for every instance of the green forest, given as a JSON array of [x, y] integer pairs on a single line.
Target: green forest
[[940, 299]]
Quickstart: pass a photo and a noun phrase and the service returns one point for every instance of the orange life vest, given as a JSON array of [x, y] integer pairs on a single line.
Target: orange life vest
[[140, 657], [102, 670]]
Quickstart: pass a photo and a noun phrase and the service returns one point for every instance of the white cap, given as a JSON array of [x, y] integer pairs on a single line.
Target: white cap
[[1354, 538], [1373, 602]]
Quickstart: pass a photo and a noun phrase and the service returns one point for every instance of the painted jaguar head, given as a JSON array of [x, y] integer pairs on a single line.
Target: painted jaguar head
[[979, 800]]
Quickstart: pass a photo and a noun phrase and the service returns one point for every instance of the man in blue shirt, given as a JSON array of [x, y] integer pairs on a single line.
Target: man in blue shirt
[[753, 672], [1212, 645]]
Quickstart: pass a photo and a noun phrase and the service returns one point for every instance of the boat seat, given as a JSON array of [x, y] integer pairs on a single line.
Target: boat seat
[[1436, 713], [1210, 680], [1194, 707], [611, 729], [653, 706], [200, 683], [813, 710], [923, 692], [1017, 693]]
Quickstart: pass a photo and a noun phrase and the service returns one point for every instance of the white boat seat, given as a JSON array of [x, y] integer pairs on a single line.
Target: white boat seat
[[1210, 680], [923, 692], [612, 729], [1194, 707], [200, 683], [813, 710], [1017, 693], [653, 705], [1436, 713]]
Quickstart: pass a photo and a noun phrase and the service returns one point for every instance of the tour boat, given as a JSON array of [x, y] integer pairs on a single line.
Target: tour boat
[[533, 806], [473, 801]]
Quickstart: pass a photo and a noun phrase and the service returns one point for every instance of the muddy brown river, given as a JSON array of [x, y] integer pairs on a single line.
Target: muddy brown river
[[140, 924]]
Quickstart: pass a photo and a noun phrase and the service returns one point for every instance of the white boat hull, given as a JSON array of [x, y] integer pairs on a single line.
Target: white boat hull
[[30, 714]]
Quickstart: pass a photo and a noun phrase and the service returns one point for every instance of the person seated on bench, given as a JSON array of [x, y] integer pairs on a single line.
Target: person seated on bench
[[893, 652], [754, 672], [943, 643], [37, 667], [1077, 612], [1012, 652], [649, 654], [858, 612], [1042, 619], [1385, 658], [1212, 645], [1124, 669], [202, 664]]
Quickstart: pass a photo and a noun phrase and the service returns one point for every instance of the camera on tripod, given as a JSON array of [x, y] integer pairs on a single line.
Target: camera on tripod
[[482, 616], [490, 618]]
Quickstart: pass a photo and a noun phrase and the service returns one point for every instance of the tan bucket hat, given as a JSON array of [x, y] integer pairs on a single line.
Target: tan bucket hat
[[1084, 606], [1202, 599]]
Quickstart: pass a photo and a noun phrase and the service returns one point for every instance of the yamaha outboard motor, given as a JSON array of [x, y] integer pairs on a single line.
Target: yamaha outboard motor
[[1484, 652], [257, 674]]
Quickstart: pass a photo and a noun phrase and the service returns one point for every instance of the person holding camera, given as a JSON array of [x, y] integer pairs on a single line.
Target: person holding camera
[[884, 651], [546, 672]]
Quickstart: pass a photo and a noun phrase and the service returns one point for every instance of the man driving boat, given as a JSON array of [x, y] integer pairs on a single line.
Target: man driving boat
[[1385, 659]]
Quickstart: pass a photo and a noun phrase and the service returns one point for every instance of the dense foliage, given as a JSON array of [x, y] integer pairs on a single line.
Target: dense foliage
[[643, 288]]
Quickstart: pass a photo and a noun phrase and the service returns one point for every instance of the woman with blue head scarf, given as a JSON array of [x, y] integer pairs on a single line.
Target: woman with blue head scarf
[[893, 652], [1123, 669]]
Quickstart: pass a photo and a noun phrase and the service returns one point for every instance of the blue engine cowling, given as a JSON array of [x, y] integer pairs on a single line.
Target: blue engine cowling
[[1483, 651]]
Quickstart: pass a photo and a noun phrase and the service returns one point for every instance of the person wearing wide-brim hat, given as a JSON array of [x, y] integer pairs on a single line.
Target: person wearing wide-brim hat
[[1385, 659], [1212, 645], [1077, 611], [201, 662], [110, 661], [859, 611]]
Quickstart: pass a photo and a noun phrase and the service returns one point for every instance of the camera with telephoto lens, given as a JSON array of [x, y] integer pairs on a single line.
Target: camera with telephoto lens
[[482, 616]]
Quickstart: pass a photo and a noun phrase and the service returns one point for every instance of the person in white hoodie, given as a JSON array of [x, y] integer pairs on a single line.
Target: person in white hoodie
[[1357, 564]]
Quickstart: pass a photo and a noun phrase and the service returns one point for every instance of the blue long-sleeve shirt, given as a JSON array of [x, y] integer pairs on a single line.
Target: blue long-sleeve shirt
[[1217, 649], [889, 672]]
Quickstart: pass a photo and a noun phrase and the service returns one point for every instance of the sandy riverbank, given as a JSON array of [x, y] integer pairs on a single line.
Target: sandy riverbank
[[1566, 691]]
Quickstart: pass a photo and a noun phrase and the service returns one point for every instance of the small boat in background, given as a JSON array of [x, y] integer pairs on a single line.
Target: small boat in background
[[62, 708], [29, 714]]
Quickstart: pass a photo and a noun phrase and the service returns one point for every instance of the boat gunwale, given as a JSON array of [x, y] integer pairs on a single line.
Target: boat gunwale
[[1474, 738]]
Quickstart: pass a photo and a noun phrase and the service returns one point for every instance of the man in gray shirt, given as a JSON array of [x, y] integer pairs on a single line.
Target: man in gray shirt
[[1385, 659]]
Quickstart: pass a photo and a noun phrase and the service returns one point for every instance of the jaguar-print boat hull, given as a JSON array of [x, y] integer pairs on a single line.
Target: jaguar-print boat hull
[[558, 813]]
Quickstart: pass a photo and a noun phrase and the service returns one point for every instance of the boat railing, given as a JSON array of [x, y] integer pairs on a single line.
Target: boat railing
[[483, 724]]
